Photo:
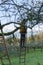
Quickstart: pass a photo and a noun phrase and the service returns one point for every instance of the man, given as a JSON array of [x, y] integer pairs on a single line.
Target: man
[[23, 33]]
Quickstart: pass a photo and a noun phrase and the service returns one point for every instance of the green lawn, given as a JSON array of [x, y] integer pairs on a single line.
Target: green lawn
[[32, 58]]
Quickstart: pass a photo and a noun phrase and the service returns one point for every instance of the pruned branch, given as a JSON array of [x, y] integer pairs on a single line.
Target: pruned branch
[[9, 33]]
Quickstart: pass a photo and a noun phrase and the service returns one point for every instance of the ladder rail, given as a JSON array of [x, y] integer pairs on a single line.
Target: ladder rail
[[22, 58], [5, 47], [1, 59]]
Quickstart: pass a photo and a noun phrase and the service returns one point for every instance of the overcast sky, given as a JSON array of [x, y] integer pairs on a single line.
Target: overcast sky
[[36, 29]]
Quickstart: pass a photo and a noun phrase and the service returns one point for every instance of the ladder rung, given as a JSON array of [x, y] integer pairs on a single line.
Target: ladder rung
[[22, 54], [22, 51], [22, 62], [21, 58], [23, 48]]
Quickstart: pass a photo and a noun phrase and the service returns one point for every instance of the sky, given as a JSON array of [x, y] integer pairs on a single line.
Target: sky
[[38, 28]]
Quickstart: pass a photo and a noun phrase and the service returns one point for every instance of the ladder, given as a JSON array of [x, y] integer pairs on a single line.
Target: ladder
[[2, 41], [22, 56], [1, 60]]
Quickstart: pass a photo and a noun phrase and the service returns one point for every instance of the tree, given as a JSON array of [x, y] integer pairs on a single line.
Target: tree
[[30, 10]]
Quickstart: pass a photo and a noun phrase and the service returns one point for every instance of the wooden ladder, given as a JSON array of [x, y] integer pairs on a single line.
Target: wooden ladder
[[2, 41], [22, 56]]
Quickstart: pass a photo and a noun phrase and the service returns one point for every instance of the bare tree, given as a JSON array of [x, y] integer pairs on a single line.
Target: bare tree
[[30, 10]]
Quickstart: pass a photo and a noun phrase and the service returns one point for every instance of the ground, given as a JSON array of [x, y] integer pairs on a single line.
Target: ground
[[32, 58]]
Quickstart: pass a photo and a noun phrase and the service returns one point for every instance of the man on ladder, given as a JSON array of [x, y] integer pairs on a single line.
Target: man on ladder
[[23, 31]]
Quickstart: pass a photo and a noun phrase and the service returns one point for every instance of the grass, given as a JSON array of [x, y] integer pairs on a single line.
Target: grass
[[32, 58]]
